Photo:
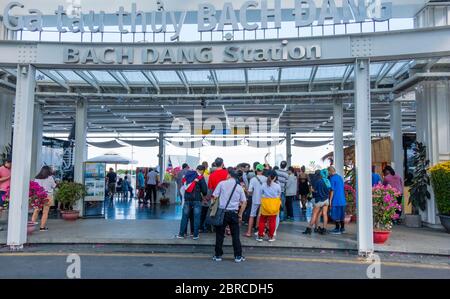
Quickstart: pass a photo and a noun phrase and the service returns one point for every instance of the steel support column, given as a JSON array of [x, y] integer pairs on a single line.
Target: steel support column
[[36, 148], [161, 155], [363, 156], [338, 136], [6, 119], [80, 154], [289, 148], [396, 137], [21, 161]]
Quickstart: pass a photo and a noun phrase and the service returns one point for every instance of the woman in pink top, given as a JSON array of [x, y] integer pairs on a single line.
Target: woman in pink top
[[390, 178], [5, 179]]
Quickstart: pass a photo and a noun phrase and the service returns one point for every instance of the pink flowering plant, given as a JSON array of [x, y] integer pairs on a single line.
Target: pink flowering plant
[[37, 196], [384, 206], [172, 173], [350, 196]]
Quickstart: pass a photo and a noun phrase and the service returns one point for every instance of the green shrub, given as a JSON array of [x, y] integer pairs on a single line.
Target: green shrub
[[68, 193]]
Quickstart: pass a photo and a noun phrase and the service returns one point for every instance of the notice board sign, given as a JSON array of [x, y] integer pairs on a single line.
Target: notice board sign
[[94, 181]]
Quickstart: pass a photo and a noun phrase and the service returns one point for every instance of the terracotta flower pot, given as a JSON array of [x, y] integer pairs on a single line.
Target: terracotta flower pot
[[381, 236], [70, 215], [30, 227]]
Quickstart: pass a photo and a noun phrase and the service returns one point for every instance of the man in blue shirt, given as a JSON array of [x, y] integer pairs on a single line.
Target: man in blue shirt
[[337, 201], [376, 178]]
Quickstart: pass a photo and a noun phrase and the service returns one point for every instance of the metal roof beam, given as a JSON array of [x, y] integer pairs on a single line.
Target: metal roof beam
[[88, 80], [312, 77], [247, 89], [214, 79], [183, 79], [57, 80], [119, 78], [383, 73], [152, 81], [347, 74]]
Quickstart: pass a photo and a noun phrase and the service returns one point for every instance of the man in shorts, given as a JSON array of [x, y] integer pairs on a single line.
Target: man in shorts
[[320, 193]]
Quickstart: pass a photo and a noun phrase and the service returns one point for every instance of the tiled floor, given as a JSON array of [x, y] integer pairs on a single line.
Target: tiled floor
[[133, 210]]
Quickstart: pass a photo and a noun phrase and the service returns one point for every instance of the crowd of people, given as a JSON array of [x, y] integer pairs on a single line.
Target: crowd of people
[[261, 197]]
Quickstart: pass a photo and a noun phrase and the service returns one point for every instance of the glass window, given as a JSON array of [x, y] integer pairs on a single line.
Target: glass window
[[199, 77], [134, 77], [330, 72], [230, 76], [103, 76], [296, 74], [263, 75], [70, 76], [167, 77]]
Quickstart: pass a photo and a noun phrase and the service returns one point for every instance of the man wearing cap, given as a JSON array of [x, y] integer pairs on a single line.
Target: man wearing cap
[[254, 189]]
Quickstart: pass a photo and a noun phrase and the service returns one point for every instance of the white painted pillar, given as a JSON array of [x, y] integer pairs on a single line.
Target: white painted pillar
[[80, 154], [433, 129], [338, 136], [6, 119], [36, 149], [396, 137], [363, 148], [288, 148], [21, 160], [161, 155]]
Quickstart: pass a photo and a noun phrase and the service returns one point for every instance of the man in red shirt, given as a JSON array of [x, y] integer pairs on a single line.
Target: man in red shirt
[[220, 174]]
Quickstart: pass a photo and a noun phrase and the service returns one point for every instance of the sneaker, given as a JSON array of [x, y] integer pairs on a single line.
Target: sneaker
[[179, 237], [195, 238], [317, 229], [217, 258], [342, 230], [335, 231], [272, 240], [239, 259], [307, 231], [259, 239], [43, 229]]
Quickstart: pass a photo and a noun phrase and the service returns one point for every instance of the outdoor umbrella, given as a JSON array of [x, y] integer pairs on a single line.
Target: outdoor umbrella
[[112, 158]]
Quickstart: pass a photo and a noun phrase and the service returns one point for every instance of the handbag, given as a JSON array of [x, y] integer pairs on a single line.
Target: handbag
[[270, 206], [215, 213]]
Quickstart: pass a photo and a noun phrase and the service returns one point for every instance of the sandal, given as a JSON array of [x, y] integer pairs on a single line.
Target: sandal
[[43, 229]]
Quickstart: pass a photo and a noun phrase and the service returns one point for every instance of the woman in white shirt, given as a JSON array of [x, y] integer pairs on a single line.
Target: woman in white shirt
[[45, 180]]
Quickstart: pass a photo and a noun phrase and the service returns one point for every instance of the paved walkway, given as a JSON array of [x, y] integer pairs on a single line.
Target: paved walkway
[[157, 232]]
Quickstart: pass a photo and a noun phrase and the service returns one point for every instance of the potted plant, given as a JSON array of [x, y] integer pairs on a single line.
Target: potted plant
[[68, 193], [350, 196], [37, 198], [384, 211], [440, 180], [419, 193]]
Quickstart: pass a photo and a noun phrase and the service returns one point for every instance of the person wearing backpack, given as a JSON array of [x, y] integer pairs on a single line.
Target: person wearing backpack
[[195, 189], [255, 188]]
